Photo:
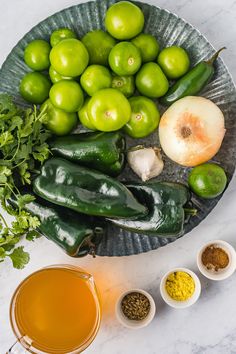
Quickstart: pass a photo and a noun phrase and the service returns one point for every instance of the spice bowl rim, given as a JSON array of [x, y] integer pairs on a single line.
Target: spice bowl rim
[[175, 303], [132, 324], [229, 270]]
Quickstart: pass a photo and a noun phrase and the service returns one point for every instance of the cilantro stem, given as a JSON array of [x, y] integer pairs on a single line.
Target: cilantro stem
[[15, 153], [11, 189], [17, 190], [23, 143], [19, 163], [7, 185], [38, 117], [4, 220]]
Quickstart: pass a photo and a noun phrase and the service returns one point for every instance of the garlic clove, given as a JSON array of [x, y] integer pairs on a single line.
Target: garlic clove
[[147, 163]]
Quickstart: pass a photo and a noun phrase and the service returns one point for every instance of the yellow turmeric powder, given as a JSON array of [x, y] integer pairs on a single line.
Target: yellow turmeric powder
[[180, 286]]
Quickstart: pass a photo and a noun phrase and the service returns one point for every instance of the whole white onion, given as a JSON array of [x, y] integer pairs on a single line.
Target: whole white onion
[[191, 130]]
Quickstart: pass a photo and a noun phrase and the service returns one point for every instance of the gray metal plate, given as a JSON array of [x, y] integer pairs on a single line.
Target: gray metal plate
[[169, 29]]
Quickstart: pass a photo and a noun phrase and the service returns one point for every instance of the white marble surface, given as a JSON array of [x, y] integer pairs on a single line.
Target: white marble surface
[[209, 327]]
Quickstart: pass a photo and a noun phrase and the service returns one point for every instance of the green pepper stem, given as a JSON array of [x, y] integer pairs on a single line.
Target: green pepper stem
[[215, 56], [92, 247], [191, 212]]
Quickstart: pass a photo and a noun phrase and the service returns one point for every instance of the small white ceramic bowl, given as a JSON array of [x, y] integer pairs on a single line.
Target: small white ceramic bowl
[[222, 273], [132, 323], [175, 303]]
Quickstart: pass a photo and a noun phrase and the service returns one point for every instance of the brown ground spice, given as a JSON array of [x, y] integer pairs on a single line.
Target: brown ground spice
[[215, 258]]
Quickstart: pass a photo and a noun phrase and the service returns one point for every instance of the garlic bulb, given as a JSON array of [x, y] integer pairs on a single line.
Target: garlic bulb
[[147, 163]]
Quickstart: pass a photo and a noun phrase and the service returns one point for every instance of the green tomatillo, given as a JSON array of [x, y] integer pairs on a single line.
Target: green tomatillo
[[34, 87], [99, 45], [36, 55], [95, 78], [60, 34], [67, 95], [83, 116], [144, 119], [151, 81], [148, 46], [56, 77], [58, 121], [124, 20], [174, 61], [125, 59], [109, 110], [69, 57], [124, 84]]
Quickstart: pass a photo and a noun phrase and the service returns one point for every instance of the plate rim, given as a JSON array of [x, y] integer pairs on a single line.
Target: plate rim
[[192, 27]]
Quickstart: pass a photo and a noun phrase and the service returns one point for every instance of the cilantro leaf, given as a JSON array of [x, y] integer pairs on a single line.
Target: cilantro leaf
[[24, 151], [27, 129], [2, 253], [41, 152], [26, 178], [5, 172], [19, 257], [2, 191], [33, 221], [23, 147], [6, 138], [24, 199], [8, 248], [16, 122], [32, 235], [21, 222], [7, 107], [8, 239], [43, 137], [24, 173]]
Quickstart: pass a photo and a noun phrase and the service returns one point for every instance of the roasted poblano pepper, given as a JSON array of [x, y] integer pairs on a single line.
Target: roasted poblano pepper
[[165, 203], [77, 234], [101, 151], [86, 191]]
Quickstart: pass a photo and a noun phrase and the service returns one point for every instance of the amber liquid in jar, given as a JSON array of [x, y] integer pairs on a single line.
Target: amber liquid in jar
[[57, 309]]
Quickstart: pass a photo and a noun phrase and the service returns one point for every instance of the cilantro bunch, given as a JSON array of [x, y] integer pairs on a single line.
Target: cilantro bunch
[[23, 148]]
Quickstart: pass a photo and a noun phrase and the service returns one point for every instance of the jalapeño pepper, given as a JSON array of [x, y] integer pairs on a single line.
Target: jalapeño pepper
[[193, 82], [101, 151], [86, 191]]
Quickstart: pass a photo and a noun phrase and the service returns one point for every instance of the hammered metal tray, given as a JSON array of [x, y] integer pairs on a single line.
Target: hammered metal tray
[[169, 29]]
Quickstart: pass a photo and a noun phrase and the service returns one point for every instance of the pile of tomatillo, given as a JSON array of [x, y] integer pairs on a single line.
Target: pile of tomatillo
[[106, 79]]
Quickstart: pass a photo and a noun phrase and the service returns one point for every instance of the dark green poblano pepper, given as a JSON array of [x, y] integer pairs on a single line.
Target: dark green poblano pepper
[[165, 201], [85, 191], [77, 234], [101, 151]]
